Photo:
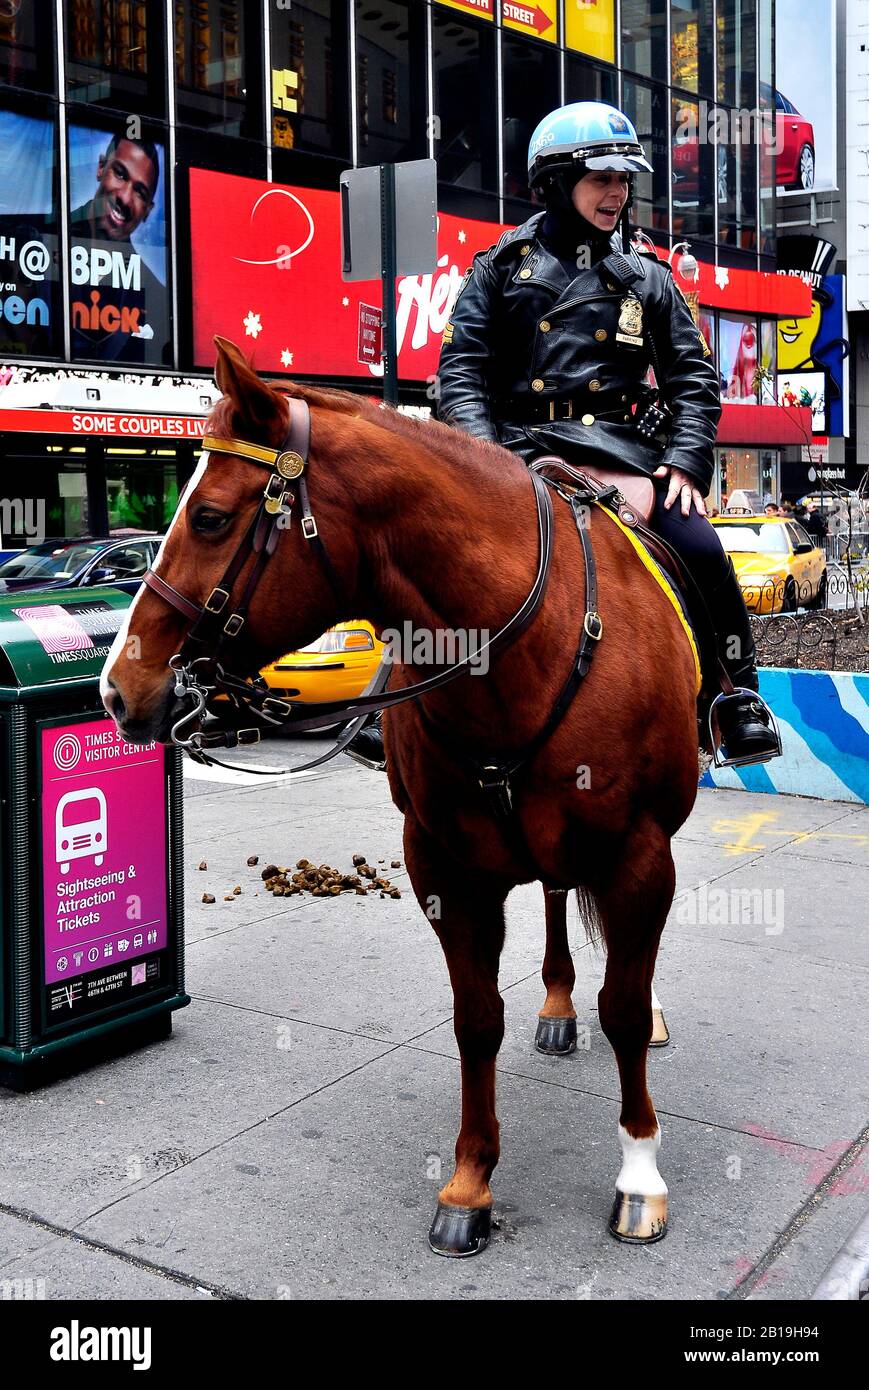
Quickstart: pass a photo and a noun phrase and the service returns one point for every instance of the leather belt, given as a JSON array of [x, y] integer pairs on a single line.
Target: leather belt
[[526, 409]]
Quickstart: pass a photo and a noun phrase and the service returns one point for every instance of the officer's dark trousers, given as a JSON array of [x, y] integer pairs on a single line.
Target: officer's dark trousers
[[694, 541], [692, 538]]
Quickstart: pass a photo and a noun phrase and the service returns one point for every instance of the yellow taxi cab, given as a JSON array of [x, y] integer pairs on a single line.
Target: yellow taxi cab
[[337, 666], [778, 565]]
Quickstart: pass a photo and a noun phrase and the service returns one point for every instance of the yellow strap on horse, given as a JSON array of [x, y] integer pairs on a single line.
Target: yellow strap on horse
[[661, 579]]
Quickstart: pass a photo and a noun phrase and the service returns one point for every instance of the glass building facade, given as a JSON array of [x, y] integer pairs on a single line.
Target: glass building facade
[[132, 95]]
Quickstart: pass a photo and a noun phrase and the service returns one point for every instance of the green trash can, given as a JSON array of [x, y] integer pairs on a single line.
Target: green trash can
[[91, 867]]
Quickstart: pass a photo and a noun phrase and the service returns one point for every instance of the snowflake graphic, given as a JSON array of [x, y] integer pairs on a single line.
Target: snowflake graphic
[[252, 325], [462, 237], [287, 357], [345, 301], [722, 277]]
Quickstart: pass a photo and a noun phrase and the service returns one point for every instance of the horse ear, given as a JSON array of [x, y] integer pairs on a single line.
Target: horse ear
[[254, 402]]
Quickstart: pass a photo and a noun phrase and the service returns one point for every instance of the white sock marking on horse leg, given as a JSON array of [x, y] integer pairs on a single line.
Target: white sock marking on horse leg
[[638, 1175], [656, 1003]]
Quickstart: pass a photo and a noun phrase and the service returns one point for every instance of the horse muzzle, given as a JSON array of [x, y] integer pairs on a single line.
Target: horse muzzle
[[154, 725]]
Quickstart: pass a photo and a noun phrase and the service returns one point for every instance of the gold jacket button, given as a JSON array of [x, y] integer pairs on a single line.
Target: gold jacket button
[[624, 398], [600, 334], [545, 326], [627, 417], [588, 419], [523, 250], [610, 285], [525, 274], [594, 385], [538, 384]]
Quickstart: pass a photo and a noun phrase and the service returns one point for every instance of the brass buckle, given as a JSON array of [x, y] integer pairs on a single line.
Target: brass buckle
[[211, 606], [275, 706], [593, 626], [309, 528], [233, 625], [552, 414]]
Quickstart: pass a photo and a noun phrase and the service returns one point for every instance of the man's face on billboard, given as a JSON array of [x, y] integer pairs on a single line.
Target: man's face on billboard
[[126, 181]]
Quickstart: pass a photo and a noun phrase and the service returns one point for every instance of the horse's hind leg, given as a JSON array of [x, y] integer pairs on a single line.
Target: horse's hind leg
[[466, 910], [660, 1031], [633, 911], [556, 1028]]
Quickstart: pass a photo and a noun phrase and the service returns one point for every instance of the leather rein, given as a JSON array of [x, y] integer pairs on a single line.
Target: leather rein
[[200, 666]]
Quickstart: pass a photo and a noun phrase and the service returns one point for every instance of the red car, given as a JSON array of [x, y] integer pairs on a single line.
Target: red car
[[795, 141], [794, 162]]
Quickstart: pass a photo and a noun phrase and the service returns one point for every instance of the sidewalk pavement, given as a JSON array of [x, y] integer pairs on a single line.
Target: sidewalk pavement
[[289, 1140]]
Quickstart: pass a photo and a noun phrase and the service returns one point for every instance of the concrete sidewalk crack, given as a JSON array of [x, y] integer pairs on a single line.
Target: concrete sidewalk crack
[[750, 1281], [174, 1276]]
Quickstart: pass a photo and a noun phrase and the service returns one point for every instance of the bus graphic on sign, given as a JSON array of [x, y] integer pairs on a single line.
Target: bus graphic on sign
[[80, 827]]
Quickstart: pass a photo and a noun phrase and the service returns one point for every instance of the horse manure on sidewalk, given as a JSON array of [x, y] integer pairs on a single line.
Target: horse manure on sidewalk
[[324, 881], [319, 880]]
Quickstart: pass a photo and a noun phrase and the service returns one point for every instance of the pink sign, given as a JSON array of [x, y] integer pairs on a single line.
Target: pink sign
[[103, 853], [56, 630]]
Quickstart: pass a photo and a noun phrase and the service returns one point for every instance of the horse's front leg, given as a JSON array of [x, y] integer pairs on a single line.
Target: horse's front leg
[[466, 910], [556, 1027]]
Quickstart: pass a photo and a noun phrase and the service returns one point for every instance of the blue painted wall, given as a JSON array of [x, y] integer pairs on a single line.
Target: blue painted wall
[[824, 722]]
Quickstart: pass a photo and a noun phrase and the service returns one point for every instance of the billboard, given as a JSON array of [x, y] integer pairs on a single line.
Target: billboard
[[589, 27], [272, 281], [812, 352], [30, 297], [805, 97], [119, 298]]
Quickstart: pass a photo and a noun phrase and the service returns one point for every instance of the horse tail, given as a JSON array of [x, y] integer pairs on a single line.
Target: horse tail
[[589, 915]]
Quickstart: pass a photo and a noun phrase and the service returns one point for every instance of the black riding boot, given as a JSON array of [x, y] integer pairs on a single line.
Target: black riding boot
[[745, 722], [367, 747]]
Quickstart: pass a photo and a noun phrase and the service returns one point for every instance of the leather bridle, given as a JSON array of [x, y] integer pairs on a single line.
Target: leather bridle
[[201, 668]]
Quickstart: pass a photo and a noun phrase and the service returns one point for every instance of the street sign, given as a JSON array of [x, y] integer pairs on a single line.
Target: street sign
[[389, 227], [370, 347], [415, 220]]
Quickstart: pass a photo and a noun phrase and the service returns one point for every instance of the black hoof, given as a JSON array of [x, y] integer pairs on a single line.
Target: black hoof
[[556, 1036], [460, 1231]]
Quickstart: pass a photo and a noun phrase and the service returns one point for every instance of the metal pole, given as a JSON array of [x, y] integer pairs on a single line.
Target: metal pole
[[20, 896], [63, 167], [388, 273]]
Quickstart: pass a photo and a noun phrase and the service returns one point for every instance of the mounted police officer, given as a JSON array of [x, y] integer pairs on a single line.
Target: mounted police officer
[[548, 348], [547, 351]]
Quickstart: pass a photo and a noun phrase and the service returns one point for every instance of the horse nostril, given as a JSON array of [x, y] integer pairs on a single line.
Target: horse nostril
[[114, 703]]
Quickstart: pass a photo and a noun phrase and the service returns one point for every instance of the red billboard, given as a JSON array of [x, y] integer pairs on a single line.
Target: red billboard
[[267, 274]]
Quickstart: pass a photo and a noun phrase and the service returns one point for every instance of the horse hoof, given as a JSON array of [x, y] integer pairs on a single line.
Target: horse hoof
[[638, 1220], [458, 1232], [660, 1031], [556, 1036]]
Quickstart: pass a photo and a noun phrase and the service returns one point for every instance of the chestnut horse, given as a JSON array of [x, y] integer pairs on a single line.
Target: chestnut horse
[[426, 525]]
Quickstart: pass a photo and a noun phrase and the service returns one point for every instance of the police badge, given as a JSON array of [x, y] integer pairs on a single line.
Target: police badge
[[630, 322]]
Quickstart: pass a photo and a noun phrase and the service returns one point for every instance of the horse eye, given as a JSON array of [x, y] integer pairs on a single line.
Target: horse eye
[[208, 523]]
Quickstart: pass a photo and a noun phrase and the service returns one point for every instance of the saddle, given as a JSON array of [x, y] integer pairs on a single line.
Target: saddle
[[637, 492], [632, 497]]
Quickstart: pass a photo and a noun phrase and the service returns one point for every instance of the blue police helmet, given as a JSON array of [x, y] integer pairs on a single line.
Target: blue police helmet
[[584, 135]]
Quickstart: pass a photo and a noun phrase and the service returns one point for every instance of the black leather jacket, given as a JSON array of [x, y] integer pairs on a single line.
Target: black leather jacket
[[524, 334]]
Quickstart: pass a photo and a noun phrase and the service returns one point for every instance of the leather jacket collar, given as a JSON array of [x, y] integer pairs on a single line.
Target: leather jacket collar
[[537, 266]]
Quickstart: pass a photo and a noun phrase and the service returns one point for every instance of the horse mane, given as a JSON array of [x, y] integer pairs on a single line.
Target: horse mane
[[451, 445]]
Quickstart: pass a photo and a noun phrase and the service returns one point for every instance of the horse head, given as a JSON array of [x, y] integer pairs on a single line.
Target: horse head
[[291, 603]]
